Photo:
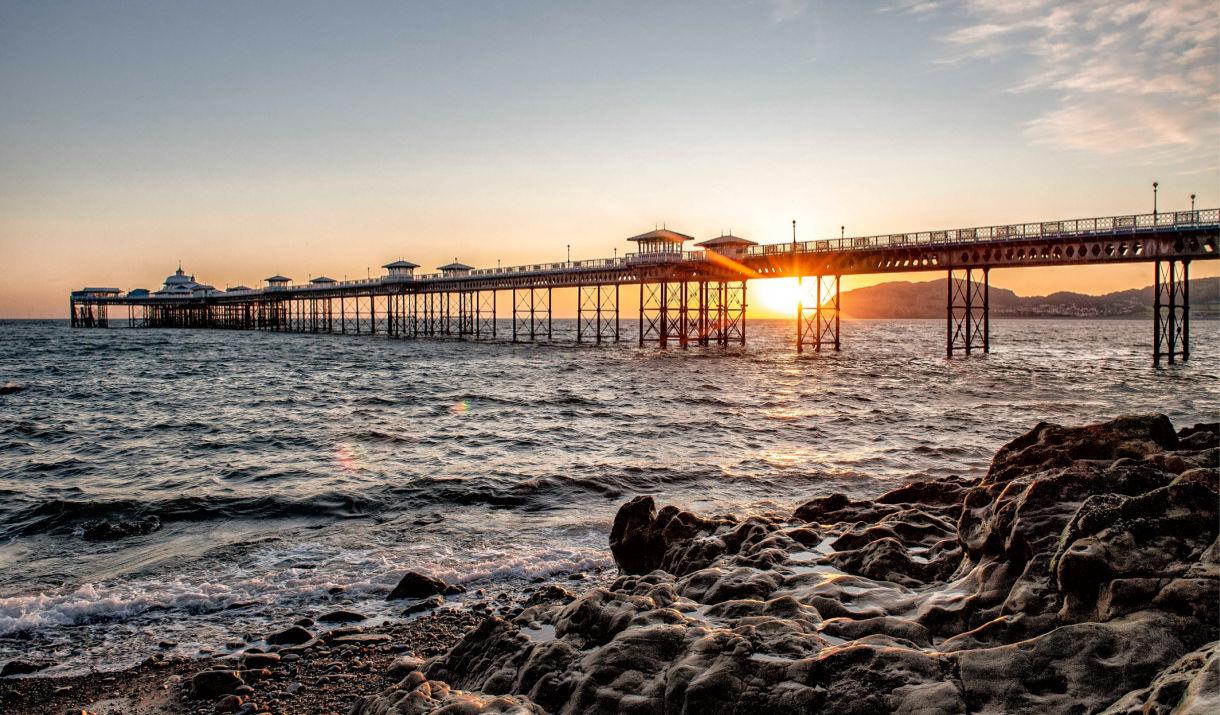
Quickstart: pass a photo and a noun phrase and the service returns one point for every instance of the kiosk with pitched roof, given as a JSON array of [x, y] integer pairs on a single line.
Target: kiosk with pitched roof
[[660, 244]]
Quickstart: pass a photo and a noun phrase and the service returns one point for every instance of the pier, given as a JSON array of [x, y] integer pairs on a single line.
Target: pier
[[692, 294]]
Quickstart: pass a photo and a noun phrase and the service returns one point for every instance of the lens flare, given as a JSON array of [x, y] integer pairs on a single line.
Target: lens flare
[[460, 407], [349, 457]]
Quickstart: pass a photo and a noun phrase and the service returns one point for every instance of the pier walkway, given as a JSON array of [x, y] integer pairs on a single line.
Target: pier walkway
[[689, 297]]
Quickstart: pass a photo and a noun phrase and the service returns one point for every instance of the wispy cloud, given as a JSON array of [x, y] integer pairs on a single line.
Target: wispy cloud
[[785, 10], [1138, 77]]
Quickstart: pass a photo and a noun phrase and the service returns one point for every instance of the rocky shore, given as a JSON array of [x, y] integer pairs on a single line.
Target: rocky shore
[[1080, 574]]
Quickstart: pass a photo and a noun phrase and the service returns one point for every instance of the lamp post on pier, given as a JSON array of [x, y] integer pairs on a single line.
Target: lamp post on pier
[[1154, 213]]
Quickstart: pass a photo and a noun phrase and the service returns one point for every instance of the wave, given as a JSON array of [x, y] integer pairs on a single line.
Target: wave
[[65, 515]]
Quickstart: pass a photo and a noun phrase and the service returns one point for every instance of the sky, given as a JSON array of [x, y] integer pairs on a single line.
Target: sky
[[248, 139]]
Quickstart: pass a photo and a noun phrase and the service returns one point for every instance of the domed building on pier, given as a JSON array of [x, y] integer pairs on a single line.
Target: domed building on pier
[[180, 285]]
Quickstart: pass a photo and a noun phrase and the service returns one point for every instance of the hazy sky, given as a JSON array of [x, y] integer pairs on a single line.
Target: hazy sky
[[246, 139]]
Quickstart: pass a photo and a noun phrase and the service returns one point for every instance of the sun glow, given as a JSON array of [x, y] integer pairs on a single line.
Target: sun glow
[[776, 297]]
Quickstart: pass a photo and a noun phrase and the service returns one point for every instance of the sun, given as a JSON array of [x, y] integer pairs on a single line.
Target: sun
[[776, 297]]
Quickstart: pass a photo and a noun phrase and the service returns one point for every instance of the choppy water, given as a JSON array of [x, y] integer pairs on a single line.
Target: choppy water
[[285, 467]]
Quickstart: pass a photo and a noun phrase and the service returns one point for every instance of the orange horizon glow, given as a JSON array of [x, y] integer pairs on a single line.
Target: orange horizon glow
[[434, 131]]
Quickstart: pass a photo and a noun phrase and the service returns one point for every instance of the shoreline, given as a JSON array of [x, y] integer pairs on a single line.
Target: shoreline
[[1081, 570], [342, 660], [309, 682]]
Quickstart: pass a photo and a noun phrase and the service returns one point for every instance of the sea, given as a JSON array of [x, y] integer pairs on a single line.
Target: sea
[[281, 474]]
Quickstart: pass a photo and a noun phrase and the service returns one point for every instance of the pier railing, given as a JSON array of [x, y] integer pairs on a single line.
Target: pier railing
[[1087, 227], [1108, 225], [628, 259]]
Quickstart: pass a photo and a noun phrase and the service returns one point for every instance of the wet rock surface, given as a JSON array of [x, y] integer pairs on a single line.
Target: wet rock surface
[[416, 585], [1080, 573]]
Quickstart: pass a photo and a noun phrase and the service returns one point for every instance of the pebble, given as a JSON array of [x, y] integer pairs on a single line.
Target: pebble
[[361, 639], [334, 633], [403, 666], [229, 704], [342, 616], [24, 667], [259, 660], [424, 605], [293, 635]]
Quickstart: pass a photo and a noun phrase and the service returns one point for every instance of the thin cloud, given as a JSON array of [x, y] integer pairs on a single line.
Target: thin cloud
[[784, 10], [1124, 77]]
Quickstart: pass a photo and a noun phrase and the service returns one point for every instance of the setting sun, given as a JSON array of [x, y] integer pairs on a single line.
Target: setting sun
[[778, 297]]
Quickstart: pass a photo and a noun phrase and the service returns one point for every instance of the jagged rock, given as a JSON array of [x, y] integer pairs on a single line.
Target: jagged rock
[[416, 585], [641, 537], [1191, 685], [1205, 435], [837, 507], [1082, 572]]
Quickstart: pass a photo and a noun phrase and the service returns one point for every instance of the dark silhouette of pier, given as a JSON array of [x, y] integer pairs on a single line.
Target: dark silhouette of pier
[[690, 297]]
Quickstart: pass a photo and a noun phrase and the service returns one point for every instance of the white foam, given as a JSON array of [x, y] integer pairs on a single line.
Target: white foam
[[275, 577]]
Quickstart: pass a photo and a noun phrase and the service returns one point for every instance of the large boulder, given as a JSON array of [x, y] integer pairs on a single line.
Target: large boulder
[[416, 585], [643, 539]]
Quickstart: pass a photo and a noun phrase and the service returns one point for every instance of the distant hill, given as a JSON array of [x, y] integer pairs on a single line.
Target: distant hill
[[904, 299]]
